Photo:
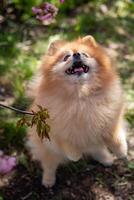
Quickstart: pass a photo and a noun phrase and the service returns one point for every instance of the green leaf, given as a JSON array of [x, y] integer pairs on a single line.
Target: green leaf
[[39, 120], [1, 198], [131, 165]]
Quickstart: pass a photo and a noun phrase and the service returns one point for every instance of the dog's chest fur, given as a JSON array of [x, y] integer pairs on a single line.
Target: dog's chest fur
[[82, 120]]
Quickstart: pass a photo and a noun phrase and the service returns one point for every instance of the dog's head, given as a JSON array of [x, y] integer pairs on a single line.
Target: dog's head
[[77, 62]]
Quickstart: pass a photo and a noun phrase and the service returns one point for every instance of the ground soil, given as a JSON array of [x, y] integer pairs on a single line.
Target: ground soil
[[93, 182]]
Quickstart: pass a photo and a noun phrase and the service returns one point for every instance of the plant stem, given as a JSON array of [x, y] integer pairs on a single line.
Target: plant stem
[[16, 110]]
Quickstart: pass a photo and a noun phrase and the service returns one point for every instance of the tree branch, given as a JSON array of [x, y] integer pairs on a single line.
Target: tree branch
[[16, 110]]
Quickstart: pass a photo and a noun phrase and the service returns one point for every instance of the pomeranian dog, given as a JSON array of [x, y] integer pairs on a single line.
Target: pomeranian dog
[[82, 92]]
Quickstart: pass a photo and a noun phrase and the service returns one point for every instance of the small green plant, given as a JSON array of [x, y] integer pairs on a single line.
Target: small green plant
[[33, 118], [39, 120]]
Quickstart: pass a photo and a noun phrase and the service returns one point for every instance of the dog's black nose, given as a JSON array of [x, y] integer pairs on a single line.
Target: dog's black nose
[[76, 56], [77, 62]]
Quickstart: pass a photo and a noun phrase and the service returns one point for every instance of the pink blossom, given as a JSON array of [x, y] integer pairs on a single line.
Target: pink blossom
[[44, 17], [61, 1], [36, 10], [7, 163], [46, 12]]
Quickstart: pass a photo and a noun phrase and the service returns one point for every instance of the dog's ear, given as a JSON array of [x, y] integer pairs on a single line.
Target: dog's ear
[[89, 39], [55, 46]]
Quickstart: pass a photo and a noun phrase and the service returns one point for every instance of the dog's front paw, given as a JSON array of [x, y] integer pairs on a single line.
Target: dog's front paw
[[107, 162], [74, 156], [48, 181], [121, 151]]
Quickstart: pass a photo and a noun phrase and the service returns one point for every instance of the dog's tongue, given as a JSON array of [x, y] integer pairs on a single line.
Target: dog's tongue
[[79, 69]]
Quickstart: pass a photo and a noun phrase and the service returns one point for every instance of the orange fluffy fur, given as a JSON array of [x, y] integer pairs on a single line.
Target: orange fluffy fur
[[86, 114]]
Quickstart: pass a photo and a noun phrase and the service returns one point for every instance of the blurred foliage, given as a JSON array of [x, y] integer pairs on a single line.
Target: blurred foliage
[[11, 137], [130, 117], [131, 165], [1, 198]]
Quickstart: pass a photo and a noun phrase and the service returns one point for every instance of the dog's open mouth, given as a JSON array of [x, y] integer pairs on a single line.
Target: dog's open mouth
[[77, 69]]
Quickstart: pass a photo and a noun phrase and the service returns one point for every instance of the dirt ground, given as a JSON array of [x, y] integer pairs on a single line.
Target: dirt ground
[[84, 180]]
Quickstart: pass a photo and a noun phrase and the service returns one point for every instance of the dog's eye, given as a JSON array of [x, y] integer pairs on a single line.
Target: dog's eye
[[85, 54], [66, 57]]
